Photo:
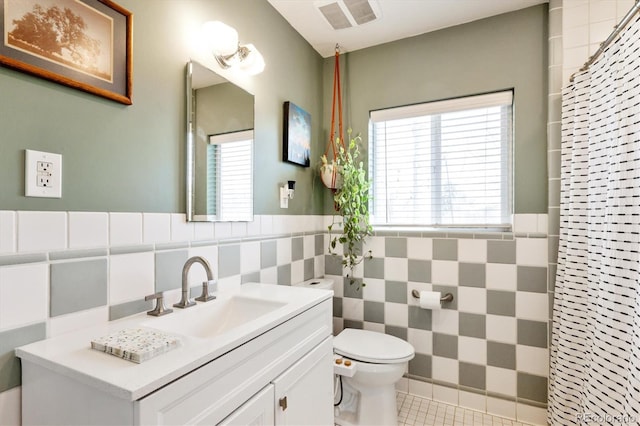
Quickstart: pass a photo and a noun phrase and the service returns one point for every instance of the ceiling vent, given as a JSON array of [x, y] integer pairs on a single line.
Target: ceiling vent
[[341, 14], [334, 15], [361, 11]]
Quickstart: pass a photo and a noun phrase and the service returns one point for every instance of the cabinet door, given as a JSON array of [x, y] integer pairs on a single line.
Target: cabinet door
[[304, 393], [258, 411]]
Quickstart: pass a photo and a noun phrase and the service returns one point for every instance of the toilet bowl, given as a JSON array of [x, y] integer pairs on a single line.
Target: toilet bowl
[[378, 361]]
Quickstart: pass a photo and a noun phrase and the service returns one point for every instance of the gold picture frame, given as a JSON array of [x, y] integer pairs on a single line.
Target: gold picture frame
[[83, 44]]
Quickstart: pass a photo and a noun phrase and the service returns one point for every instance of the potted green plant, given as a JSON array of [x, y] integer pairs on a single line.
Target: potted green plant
[[351, 202], [329, 173]]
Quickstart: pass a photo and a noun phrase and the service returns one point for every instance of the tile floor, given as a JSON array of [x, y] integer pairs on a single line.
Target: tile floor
[[413, 410]]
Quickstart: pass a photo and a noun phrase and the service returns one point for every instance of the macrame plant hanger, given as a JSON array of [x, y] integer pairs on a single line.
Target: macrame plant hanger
[[335, 142]]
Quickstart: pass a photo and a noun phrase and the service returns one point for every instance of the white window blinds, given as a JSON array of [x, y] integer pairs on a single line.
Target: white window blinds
[[443, 164], [229, 171]]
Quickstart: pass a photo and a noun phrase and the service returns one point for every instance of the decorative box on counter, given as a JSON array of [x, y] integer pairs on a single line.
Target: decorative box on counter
[[136, 344]]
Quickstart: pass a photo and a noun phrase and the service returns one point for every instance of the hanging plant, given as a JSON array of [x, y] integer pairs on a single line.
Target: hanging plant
[[329, 173], [351, 202]]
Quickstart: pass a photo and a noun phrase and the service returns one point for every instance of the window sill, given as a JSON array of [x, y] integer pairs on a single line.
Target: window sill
[[471, 233]]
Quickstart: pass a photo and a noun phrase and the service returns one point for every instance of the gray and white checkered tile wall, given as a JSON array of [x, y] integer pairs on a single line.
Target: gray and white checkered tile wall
[[492, 339], [488, 348], [285, 260]]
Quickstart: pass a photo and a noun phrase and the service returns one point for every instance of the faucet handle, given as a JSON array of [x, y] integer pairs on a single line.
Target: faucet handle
[[205, 296], [159, 310]]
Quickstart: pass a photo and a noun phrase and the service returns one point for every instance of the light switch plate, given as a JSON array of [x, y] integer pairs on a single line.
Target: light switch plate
[[42, 174]]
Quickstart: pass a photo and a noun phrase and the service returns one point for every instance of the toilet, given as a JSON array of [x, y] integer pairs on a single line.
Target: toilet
[[368, 364], [379, 361]]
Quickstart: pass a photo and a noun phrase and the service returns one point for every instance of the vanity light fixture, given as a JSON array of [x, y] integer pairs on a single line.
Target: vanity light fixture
[[224, 44]]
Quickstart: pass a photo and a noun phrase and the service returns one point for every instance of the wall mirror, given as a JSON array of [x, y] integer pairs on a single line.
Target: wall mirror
[[220, 118]]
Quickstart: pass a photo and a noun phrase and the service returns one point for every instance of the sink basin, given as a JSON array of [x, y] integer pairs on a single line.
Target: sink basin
[[215, 317]]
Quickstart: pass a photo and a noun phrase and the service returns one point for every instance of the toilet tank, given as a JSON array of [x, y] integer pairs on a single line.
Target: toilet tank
[[322, 283]]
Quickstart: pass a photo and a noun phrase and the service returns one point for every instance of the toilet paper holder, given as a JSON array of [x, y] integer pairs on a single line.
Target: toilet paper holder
[[448, 297]]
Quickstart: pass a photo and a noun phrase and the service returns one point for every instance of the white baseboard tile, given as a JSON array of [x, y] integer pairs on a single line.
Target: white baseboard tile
[[420, 388], [402, 385], [445, 394], [473, 401], [501, 407], [10, 407], [531, 415]]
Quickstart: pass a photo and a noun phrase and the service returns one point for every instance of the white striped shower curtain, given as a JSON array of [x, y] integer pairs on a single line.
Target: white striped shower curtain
[[595, 346]]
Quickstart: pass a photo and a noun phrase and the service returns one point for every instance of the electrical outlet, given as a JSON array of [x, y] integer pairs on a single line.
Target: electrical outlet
[[43, 174], [43, 178], [43, 181], [44, 166]]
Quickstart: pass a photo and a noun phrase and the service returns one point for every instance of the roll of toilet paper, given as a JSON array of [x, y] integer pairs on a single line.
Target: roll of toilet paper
[[430, 299]]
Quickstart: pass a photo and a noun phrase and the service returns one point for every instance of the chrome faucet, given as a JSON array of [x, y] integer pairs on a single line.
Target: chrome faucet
[[186, 302]]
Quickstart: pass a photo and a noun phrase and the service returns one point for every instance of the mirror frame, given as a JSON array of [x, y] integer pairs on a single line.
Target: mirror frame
[[190, 170], [191, 152]]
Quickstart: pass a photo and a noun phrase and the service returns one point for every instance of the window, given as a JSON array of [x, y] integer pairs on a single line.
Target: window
[[443, 164], [229, 171]]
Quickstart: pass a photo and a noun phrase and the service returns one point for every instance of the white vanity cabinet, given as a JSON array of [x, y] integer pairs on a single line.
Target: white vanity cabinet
[[292, 362], [299, 396]]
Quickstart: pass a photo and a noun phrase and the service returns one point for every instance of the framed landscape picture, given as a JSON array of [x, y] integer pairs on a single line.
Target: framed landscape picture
[[296, 135], [84, 44]]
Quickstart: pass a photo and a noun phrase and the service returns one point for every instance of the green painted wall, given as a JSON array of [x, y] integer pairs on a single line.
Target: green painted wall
[[501, 52], [131, 158]]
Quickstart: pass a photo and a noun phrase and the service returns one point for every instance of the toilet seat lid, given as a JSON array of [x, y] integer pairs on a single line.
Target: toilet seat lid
[[371, 346]]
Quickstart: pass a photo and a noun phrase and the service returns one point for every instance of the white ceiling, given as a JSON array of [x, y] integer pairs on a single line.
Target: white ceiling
[[398, 19]]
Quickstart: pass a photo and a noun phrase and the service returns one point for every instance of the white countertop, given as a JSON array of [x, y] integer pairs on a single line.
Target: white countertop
[[72, 356]]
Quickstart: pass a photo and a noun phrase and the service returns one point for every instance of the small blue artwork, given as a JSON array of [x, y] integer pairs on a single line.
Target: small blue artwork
[[297, 135]]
